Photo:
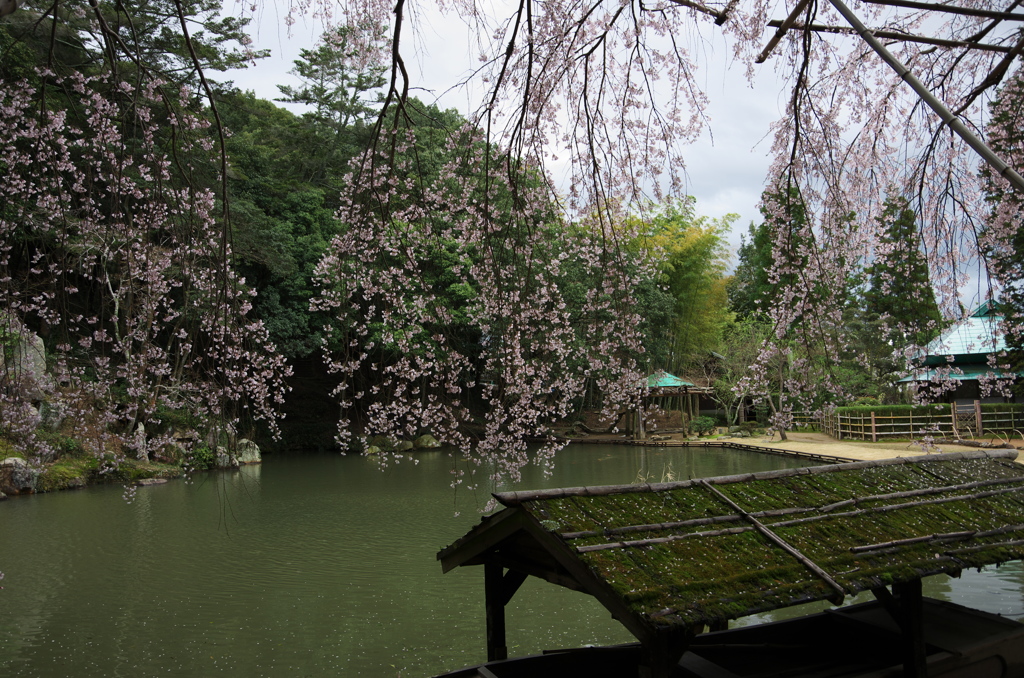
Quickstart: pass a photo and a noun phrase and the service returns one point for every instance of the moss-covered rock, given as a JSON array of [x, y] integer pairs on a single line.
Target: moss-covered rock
[[67, 474], [426, 442]]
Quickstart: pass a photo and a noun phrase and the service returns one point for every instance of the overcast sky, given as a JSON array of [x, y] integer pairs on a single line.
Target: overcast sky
[[727, 168]]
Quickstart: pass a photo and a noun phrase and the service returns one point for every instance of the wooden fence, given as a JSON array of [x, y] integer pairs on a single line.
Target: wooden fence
[[955, 421]]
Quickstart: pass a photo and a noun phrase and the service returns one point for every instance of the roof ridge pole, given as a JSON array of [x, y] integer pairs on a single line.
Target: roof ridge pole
[[933, 102], [783, 544]]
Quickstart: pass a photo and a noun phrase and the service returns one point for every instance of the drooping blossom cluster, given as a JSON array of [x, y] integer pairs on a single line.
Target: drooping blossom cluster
[[462, 292], [854, 135], [1003, 236], [612, 91], [114, 255]]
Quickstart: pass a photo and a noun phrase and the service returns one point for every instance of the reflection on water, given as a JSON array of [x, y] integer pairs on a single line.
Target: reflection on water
[[319, 565]]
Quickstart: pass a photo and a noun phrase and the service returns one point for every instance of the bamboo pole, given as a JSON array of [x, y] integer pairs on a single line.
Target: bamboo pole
[[956, 125], [951, 9], [695, 522], [916, 493], [661, 540], [998, 544], [893, 546], [949, 536], [781, 543], [897, 507]]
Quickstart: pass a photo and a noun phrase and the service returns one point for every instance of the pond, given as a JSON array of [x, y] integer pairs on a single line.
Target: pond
[[308, 566]]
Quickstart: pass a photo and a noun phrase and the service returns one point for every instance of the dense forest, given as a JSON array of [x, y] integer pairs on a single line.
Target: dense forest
[[194, 262]]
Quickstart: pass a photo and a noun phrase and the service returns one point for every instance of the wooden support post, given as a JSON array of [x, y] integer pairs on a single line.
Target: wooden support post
[[874, 431], [977, 417], [495, 609], [952, 410], [911, 602], [662, 650]]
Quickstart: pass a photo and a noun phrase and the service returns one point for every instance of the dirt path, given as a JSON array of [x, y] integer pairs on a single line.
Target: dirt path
[[819, 443]]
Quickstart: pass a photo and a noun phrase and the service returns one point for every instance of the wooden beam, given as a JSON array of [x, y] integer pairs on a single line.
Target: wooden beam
[[541, 571], [782, 30], [641, 628], [488, 534], [510, 583], [660, 654], [497, 649], [515, 498], [895, 35], [911, 603], [840, 592], [890, 604], [950, 9]]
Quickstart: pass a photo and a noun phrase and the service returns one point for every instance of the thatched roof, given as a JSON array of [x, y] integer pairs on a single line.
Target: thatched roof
[[701, 551]]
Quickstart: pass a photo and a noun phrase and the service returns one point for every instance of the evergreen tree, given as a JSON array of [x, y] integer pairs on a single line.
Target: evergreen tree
[[768, 257], [900, 294], [333, 85]]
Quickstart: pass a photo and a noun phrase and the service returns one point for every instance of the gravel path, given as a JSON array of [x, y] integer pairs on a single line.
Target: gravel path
[[819, 443]]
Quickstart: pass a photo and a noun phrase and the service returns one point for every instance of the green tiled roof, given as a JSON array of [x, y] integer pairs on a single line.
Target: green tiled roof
[[961, 373], [662, 379], [969, 341]]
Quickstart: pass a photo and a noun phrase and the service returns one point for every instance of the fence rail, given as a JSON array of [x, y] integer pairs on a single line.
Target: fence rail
[[956, 421]]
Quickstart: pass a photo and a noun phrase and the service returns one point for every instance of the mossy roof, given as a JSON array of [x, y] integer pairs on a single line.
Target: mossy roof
[[703, 550]]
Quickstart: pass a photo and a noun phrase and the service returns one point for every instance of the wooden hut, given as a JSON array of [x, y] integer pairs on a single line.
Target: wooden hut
[[670, 560], [668, 392]]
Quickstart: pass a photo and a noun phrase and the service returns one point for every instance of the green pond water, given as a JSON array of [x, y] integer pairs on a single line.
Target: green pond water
[[309, 566]]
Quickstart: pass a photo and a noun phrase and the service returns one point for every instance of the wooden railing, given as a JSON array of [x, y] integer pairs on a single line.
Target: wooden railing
[[956, 421]]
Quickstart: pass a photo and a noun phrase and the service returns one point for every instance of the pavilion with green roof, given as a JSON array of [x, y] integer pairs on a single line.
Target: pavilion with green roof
[[669, 559], [962, 353]]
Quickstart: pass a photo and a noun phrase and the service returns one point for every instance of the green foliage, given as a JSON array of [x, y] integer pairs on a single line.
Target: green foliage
[[202, 457], [782, 234], [900, 287], [686, 308], [152, 30], [64, 445], [696, 256], [176, 419], [330, 85], [1004, 233], [702, 425], [741, 343], [7, 449]]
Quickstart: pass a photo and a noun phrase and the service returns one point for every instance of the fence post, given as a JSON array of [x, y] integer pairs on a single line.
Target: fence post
[[911, 422], [977, 416], [874, 433], [952, 418]]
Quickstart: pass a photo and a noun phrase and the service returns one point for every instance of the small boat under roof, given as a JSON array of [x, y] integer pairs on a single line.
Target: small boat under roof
[[670, 560]]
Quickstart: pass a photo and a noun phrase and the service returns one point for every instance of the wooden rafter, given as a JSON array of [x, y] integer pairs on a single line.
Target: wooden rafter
[[949, 9], [781, 31], [895, 35]]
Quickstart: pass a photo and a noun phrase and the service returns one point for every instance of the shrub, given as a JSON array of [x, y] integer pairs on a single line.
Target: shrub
[[702, 425], [202, 457]]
